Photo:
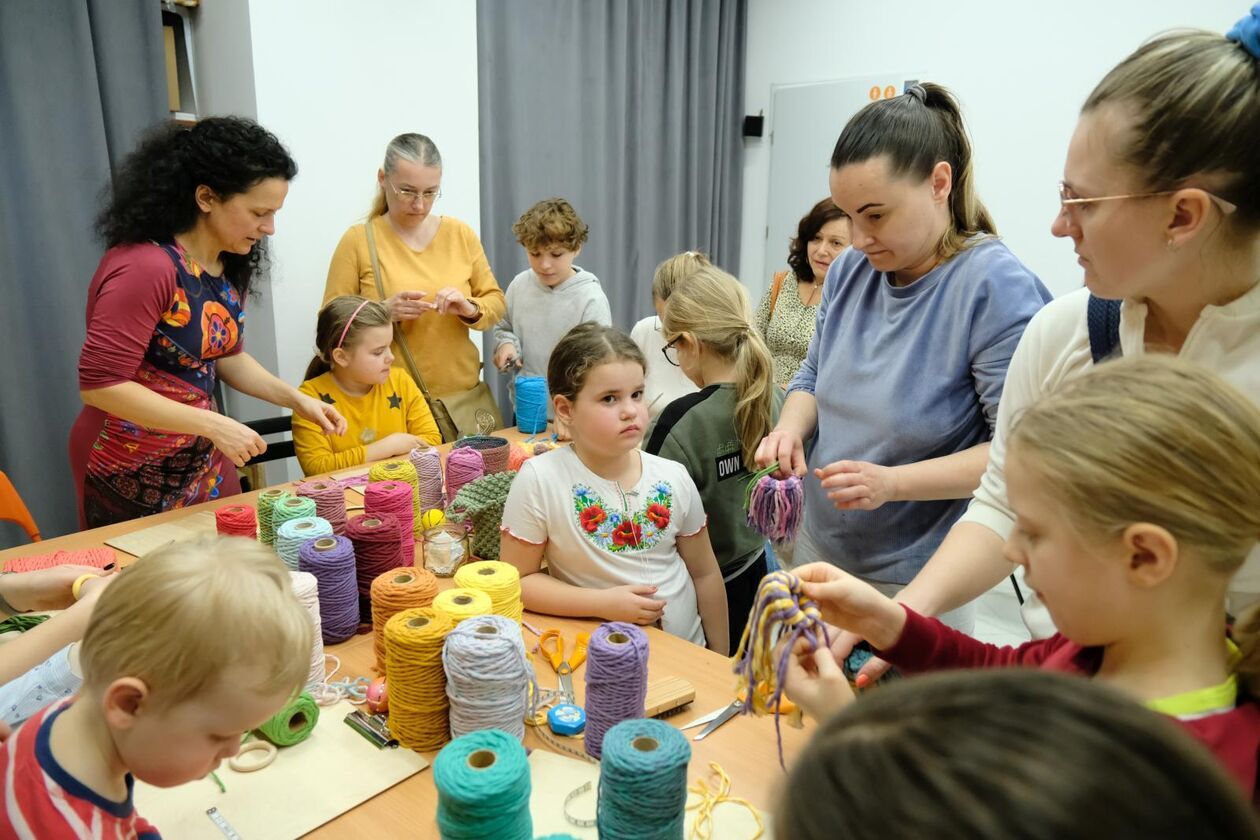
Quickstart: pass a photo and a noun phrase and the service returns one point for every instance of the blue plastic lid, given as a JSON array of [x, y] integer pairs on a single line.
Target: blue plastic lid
[[566, 719]]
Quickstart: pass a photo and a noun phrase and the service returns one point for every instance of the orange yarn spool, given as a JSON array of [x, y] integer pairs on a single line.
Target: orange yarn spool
[[394, 591]]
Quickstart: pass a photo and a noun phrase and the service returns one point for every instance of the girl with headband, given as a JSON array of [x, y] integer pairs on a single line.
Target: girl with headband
[[386, 415]]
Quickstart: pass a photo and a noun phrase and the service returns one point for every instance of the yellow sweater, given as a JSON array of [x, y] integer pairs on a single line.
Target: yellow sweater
[[396, 405], [444, 352]]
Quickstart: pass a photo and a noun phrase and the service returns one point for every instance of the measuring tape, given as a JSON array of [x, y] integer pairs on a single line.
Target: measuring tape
[[224, 826]]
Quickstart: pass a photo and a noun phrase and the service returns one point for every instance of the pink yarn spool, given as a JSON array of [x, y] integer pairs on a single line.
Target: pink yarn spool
[[462, 466], [384, 498], [428, 464], [330, 501]]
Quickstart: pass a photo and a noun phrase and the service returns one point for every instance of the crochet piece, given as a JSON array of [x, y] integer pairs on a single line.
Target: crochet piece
[[479, 506]]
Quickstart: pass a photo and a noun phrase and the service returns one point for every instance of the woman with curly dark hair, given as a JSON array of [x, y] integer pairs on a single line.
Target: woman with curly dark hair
[[787, 312], [185, 226]]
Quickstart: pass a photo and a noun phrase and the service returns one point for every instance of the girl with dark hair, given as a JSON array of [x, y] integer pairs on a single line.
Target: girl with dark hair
[[916, 326], [789, 308], [185, 225]]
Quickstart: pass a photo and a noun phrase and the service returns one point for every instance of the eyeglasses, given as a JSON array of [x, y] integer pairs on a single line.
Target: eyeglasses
[[665, 351], [412, 197], [1067, 199]]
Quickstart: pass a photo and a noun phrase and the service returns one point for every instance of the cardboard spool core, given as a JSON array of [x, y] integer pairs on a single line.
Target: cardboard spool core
[[645, 744], [485, 571], [482, 759], [418, 621], [319, 485], [462, 600], [303, 526], [298, 722], [488, 629], [404, 577], [325, 544], [292, 501], [371, 523], [236, 509], [618, 639]]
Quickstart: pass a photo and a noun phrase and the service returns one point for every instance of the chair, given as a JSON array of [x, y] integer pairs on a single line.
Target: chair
[[13, 509], [277, 451]]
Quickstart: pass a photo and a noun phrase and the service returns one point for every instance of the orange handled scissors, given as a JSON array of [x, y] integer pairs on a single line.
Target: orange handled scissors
[[551, 643]]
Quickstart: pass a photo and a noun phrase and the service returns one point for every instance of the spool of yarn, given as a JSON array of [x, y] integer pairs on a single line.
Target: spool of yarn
[[331, 560], [376, 550], [479, 506], [417, 682], [517, 456], [458, 604], [395, 591], [290, 508], [488, 676], [494, 452], [237, 521], [428, 466], [293, 724], [501, 581], [483, 787], [306, 590], [396, 498], [616, 680], [291, 534], [774, 506], [330, 501], [532, 400], [643, 782], [267, 501], [462, 466], [402, 471]]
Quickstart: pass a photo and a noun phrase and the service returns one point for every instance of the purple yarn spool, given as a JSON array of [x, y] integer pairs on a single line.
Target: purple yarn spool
[[616, 680], [331, 561], [462, 466]]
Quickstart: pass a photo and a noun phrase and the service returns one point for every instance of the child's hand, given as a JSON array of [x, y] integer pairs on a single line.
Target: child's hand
[[815, 682], [852, 604], [858, 485], [46, 589], [784, 447], [633, 603], [506, 354], [401, 443]]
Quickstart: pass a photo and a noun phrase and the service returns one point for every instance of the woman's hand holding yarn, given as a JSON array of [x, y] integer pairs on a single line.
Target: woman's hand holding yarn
[[320, 413], [407, 306], [235, 440], [783, 447], [858, 485], [632, 603], [852, 604], [815, 681]]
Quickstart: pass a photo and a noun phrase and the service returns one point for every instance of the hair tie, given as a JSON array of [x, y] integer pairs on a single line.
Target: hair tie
[[1247, 32], [348, 323], [918, 91]]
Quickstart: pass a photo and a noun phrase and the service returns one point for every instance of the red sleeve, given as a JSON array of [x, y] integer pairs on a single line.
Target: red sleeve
[[926, 644], [133, 286]]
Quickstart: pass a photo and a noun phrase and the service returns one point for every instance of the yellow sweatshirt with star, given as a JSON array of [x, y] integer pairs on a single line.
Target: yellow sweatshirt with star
[[396, 405]]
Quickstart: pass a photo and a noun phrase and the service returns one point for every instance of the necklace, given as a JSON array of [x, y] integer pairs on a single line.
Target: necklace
[[810, 300]]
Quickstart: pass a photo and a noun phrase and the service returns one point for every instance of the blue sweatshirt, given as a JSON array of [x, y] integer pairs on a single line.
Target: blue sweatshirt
[[905, 374]]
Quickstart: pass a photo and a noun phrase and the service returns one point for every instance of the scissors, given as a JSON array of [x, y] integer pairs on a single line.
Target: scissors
[[551, 643], [718, 717]]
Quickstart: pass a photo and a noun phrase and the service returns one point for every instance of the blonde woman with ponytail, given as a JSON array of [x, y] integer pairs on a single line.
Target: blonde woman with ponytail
[[715, 432], [899, 389]]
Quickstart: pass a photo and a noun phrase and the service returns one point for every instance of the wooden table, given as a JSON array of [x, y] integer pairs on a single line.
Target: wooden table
[[745, 747]]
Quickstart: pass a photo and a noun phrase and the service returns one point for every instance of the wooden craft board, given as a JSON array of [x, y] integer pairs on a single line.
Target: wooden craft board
[[306, 786], [155, 536], [554, 776]]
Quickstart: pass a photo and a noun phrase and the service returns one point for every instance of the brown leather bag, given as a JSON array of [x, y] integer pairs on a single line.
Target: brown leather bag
[[470, 412]]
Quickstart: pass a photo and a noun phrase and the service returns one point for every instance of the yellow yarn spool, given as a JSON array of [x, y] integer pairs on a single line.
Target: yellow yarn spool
[[501, 581], [418, 707], [431, 519], [404, 472], [458, 604]]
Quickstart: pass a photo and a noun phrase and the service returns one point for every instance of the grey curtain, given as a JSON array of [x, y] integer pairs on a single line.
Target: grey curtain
[[631, 110], [79, 79]]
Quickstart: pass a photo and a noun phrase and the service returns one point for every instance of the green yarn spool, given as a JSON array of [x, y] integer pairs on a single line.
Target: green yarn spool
[[643, 782], [293, 724], [482, 781], [292, 507], [479, 505]]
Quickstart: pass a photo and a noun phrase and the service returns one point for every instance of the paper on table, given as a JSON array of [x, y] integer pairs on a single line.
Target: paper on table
[[155, 536]]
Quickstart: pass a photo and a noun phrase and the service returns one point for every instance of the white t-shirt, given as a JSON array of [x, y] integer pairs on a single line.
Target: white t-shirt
[[1055, 347], [599, 535], [665, 382]]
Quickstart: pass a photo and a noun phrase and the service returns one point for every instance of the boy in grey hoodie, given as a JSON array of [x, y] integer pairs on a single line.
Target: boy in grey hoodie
[[552, 296]]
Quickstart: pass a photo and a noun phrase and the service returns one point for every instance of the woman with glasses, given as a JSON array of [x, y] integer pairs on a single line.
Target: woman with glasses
[[433, 270], [1161, 200], [918, 319]]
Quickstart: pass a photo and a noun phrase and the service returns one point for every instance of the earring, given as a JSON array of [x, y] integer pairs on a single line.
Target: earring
[[1170, 245]]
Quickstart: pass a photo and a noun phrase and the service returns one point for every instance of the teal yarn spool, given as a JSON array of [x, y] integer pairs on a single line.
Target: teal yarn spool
[[643, 782], [293, 724], [482, 781]]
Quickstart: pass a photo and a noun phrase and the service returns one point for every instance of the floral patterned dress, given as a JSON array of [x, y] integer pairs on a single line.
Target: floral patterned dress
[[156, 318]]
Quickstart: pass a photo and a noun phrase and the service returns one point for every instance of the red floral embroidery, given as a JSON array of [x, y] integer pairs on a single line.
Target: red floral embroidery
[[659, 514], [592, 517], [627, 533]]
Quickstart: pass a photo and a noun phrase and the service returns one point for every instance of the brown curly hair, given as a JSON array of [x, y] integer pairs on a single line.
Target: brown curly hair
[[552, 221], [798, 257]]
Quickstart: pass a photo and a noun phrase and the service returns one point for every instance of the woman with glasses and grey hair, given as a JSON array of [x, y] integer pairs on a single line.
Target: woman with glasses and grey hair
[[433, 271], [1161, 199]]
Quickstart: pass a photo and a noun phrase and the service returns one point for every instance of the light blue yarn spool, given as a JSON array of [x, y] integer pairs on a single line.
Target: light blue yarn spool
[[643, 782], [482, 781], [531, 404], [292, 534]]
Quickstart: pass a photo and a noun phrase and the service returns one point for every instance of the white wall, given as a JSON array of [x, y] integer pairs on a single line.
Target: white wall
[[1021, 71]]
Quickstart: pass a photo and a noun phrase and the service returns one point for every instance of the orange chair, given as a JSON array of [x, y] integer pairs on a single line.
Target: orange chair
[[13, 509]]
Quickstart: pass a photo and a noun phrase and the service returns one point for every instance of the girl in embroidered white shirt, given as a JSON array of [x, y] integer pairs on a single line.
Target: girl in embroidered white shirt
[[622, 532]]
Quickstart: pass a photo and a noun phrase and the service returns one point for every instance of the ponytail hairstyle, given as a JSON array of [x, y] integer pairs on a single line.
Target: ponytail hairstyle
[[1155, 439], [416, 148], [1193, 99], [918, 130], [674, 270], [713, 308], [331, 326], [153, 196]]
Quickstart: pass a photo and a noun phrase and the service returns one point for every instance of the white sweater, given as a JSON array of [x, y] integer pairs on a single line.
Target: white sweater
[[1055, 347]]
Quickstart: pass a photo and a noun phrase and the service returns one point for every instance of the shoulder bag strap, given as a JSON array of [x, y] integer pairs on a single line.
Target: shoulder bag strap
[[775, 288], [399, 338]]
